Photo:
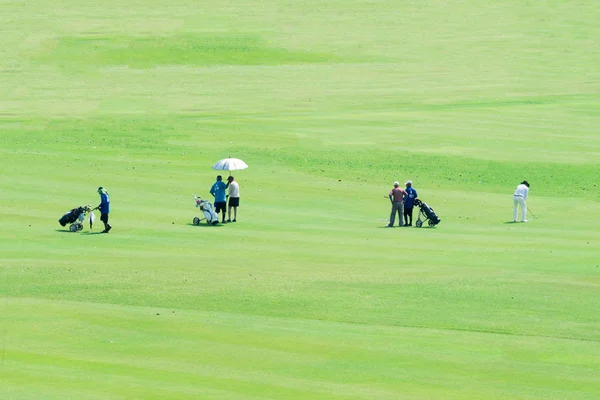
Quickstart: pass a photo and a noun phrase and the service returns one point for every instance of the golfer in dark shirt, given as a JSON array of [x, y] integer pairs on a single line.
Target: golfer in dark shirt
[[409, 203], [104, 208]]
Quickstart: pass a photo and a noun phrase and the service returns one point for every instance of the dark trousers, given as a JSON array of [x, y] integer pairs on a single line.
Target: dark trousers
[[104, 218], [407, 214]]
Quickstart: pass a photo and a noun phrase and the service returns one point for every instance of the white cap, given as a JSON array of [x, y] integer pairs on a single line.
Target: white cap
[[407, 182], [396, 183]]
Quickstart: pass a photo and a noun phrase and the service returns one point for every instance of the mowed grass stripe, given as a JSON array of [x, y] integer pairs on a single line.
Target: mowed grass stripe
[[230, 341]]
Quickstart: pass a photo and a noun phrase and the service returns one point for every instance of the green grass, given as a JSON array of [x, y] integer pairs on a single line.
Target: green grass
[[149, 52], [307, 296]]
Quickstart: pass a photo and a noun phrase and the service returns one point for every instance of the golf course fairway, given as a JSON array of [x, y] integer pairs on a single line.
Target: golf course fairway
[[308, 295]]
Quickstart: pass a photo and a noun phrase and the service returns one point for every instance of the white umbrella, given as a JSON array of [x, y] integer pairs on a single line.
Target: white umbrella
[[230, 164]]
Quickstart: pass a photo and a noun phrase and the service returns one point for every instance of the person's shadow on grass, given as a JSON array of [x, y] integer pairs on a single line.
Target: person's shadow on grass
[[81, 233], [205, 225]]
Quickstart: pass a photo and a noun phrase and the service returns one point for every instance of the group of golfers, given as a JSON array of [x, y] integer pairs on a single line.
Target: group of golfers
[[221, 191], [403, 201]]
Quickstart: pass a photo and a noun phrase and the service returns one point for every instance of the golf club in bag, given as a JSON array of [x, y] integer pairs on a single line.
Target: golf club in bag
[[76, 217], [210, 216]]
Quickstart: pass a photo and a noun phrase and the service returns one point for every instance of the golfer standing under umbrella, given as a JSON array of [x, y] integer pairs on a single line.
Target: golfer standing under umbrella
[[234, 197], [218, 192]]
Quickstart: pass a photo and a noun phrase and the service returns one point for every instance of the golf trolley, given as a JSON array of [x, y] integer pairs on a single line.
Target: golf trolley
[[76, 216], [210, 216], [430, 216]]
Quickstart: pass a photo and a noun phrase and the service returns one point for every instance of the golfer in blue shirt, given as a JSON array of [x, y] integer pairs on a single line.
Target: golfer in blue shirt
[[409, 203], [218, 192], [104, 208]]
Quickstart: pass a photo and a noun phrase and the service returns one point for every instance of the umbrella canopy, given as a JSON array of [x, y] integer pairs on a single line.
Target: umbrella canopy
[[230, 164]]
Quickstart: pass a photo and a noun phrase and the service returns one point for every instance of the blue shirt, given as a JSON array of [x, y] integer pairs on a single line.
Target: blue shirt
[[409, 199], [104, 203], [218, 190]]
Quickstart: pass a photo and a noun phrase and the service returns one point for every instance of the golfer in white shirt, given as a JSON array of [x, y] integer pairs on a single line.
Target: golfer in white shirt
[[520, 198], [234, 197]]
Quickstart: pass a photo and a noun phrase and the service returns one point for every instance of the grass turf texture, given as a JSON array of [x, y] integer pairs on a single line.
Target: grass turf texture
[[307, 296]]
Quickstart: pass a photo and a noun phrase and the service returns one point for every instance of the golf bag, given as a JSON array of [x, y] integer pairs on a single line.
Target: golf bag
[[430, 215], [210, 216], [76, 216]]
